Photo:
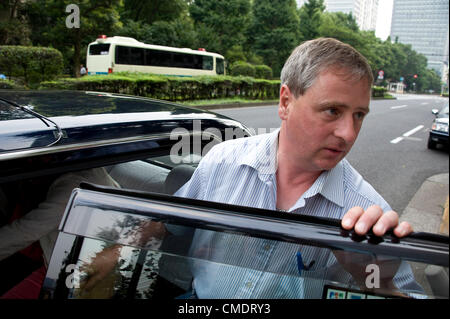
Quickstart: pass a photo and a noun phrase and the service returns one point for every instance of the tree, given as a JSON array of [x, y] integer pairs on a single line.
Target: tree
[[343, 27], [220, 24], [14, 29], [150, 11], [48, 21], [310, 19], [177, 33], [273, 32], [431, 81]]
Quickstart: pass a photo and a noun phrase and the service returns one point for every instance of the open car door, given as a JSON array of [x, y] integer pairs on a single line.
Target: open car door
[[110, 246]]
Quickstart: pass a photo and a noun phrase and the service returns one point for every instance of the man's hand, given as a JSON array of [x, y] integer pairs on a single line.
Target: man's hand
[[362, 221]]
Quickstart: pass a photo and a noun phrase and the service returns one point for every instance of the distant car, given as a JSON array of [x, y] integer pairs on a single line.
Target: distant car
[[47, 133], [439, 128]]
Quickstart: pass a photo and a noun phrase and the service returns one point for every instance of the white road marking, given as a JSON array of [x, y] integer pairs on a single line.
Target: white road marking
[[407, 134], [396, 140], [414, 130], [424, 103], [398, 107]]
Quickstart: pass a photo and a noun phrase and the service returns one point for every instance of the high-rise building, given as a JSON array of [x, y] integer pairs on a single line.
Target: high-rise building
[[424, 25], [364, 11]]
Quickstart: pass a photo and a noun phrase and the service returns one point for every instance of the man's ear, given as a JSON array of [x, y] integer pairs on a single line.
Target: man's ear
[[285, 100]]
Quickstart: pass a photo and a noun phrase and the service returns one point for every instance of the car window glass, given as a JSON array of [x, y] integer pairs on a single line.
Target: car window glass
[[166, 268], [8, 112]]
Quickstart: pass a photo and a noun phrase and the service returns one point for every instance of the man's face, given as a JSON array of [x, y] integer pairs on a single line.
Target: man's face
[[319, 127]]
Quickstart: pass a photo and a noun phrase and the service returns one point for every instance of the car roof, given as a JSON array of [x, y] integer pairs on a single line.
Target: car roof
[[91, 116], [92, 120], [55, 103]]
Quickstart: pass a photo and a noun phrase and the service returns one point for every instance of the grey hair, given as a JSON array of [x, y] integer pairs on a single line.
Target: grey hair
[[312, 57]]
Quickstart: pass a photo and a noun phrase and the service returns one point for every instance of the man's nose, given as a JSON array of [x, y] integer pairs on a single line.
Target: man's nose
[[347, 130]]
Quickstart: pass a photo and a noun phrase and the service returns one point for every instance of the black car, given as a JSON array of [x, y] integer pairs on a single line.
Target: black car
[[439, 128], [151, 149]]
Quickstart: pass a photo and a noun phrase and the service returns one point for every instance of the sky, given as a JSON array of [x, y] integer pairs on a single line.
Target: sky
[[384, 16]]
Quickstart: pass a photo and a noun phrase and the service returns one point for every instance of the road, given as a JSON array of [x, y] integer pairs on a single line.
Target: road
[[391, 151]]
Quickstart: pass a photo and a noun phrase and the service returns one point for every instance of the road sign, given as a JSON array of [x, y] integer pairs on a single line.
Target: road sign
[[380, 75]]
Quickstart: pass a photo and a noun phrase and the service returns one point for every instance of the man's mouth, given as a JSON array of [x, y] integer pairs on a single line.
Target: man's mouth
[[335, 150]]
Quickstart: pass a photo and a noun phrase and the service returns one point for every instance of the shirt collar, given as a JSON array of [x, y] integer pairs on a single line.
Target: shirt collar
[[263, 158], [330, 184]]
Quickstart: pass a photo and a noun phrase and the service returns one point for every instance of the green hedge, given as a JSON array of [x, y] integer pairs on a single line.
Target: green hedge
[[241, 68], [172, 88], [263, 72], [7, 84], [30, 64], [178, 88], [378, 91]]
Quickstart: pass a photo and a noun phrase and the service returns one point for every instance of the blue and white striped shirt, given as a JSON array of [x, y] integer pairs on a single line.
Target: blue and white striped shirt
[[243, 172]]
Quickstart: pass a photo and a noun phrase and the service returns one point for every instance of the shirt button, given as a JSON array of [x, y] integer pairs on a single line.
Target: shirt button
[[266, 247], [249, 285]]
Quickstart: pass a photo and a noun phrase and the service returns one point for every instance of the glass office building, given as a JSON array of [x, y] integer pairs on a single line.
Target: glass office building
[[424, 25], [364, 11]]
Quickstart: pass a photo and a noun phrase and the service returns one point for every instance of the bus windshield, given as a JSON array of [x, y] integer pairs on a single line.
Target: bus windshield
[[99, 49], [220, 67]]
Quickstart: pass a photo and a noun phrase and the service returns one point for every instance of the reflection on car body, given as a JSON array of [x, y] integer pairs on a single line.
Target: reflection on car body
[[132, 138]]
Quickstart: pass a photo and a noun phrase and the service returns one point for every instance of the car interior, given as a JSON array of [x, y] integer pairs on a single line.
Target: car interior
[[141, 175], [163, 275]]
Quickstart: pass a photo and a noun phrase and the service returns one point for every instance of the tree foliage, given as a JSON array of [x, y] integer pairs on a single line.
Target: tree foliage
[[273, 32], [150, 11], [310, 15], [221, 24], [48, 21], [253, 31]]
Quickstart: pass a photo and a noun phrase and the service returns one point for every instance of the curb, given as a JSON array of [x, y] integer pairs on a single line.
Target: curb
[[428, 209], [232, 105], [239, 104]]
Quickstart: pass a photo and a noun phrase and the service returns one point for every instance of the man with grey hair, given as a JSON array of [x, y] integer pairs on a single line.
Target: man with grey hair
[[300, 168]]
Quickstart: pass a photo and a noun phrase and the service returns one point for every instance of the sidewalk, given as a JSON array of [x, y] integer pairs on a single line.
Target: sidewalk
[[428, 209], [428, 212]]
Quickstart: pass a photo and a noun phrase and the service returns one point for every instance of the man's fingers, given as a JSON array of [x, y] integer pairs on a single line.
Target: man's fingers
[[350, 218], [387, 221], [403, 229], [368, 219]]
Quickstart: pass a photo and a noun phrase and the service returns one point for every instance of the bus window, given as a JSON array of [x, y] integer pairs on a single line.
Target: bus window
[[122, 55], [182, 60], [220, 66], [99, 49], [129, 55], [136, 56], [158, 58], [207, 63]]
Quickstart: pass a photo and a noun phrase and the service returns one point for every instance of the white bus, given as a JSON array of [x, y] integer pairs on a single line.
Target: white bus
[[117, 54]]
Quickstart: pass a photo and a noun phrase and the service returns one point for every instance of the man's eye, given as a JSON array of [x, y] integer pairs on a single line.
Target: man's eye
[[333, 112], [360, 115]]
